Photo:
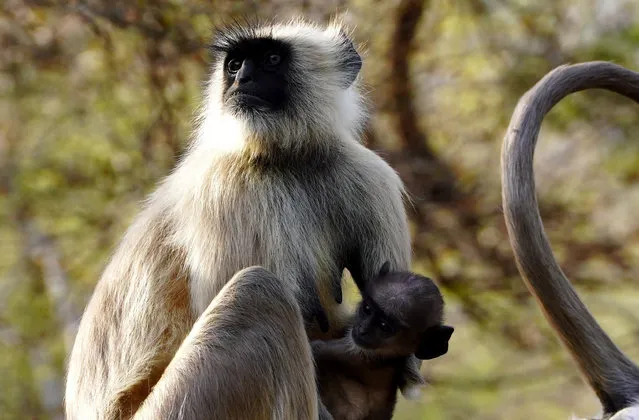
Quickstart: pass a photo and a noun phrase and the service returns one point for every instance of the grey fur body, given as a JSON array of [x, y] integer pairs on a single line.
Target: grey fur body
[[295, 193], [613, 377]]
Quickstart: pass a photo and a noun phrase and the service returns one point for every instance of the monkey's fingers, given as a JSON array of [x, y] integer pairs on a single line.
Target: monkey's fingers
[[312, 308], [318, 311], [317, 346], [322, 320], [336, 290]]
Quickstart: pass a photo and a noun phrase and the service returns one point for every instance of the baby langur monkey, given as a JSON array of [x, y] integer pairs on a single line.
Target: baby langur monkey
[[359, 374]]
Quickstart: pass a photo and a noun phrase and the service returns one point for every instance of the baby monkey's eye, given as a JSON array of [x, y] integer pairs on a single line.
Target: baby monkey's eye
[[384, 326], [366, 308], [234, 65]]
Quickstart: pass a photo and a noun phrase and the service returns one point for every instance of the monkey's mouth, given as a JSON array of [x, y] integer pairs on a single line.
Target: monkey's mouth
[[248, 101], [362, 341]]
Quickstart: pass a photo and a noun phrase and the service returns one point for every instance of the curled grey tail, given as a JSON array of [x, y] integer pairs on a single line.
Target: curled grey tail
[[613, 377]]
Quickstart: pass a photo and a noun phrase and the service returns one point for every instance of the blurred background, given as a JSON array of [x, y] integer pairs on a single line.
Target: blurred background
[[96, 103]]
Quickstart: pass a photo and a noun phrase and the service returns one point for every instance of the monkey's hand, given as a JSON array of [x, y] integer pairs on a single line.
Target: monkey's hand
[[322, 319], [311, 306], [336, 288], [318, 347], [335, 351]]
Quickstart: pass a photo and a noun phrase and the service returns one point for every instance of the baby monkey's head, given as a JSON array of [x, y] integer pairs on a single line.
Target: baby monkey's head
[[400, 314]]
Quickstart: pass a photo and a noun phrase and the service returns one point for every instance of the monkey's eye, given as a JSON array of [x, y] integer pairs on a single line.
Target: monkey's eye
[[366, 308], [383, 325], [273, 59], [234, 65]]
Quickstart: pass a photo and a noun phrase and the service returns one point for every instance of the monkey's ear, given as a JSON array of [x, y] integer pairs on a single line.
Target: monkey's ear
[[434, 342], [385, 269], [351, 61]]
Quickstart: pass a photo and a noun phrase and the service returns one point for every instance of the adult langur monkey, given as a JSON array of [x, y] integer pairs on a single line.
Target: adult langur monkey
[[613, 377], [275, 177]]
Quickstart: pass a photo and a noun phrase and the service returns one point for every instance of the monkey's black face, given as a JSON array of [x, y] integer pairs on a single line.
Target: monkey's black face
[[373, 329], [256, 75]]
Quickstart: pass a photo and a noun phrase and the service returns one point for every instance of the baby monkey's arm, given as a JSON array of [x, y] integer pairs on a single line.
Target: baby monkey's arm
[[327, 354], [334, 351]]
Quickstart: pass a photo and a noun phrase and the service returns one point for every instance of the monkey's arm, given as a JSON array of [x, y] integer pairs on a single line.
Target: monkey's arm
[[213, 374], [327, 355], [381, 235], [334, 351], [380, 223]]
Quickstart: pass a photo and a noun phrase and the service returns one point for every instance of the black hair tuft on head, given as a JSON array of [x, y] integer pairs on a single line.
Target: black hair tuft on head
[[231, 33]]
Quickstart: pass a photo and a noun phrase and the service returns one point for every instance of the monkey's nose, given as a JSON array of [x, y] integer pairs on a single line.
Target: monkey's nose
[[245, 74]]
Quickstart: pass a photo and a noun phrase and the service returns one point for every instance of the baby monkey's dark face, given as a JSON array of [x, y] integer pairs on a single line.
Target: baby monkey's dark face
[[401, 313], [375, 330]]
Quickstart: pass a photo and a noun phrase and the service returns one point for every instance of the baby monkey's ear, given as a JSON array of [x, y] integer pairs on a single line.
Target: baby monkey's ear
[[434, 342], [385, 269]]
